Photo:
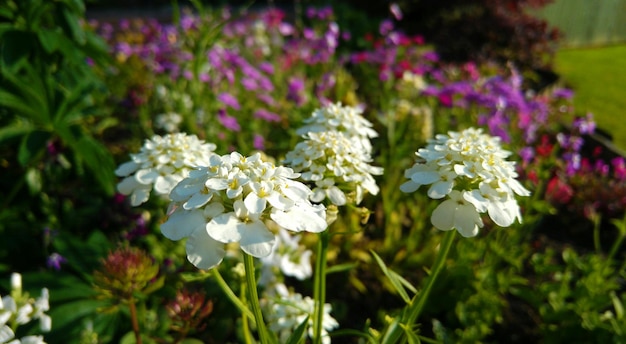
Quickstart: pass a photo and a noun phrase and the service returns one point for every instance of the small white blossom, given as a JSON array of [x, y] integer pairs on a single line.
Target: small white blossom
[[19, 308], [288, 257], [346, 119], [161, 163], [335, 154], [230, 200], [169, 122], [285, 310], [470, 169]]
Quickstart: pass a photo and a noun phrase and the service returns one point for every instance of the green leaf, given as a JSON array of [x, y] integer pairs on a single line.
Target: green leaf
[[33, 144], [298, 334], [341, 267], [411, 336], [73, 26], [15, 46], [17, 128], [99, 161], [21, 107], [396, 280]]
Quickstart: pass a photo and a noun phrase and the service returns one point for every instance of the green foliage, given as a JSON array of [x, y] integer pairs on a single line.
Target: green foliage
[[47, 89]]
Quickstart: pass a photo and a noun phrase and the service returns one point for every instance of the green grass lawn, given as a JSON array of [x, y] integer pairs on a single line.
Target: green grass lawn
[[598, 78]]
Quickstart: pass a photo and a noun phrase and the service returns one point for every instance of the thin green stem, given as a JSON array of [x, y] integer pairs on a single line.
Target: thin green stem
[[248, 262], [244, 319], [231, 295], [419, 300], [319, 288]]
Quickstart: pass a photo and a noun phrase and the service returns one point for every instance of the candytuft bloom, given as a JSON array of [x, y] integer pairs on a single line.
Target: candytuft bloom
[[20, 308], [230, 200], [161, 163], [335, 154], [285, 310], [470, 170]]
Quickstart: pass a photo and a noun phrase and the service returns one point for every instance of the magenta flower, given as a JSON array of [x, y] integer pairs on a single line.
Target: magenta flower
[[266, 115], [227, 121], [228, 100]]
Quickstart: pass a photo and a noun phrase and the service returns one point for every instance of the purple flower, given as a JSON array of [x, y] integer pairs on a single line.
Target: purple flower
[[266, 115], [585, 125], [295, 91], [395, 11], [563, 93], [266, 98], [258, 142], [619, 168], [228, 100], [227, 121], [385, 27], [55, 260], [527, 154], [266, 67]]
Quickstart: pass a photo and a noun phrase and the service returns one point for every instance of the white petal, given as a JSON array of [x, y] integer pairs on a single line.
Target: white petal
[[443, 216], [500, 214], [203, 251], [127, 185], [182, 223], [440, 189], [223, 228], [256, 239], [184, 189], [409, 186], [300, 218], [126, 169], [197, 200], [217, 184], [140, 196], [254, 203], [467, 220], [146, 176], [425, 177], [163, 185], [476, 199], [336, 196]]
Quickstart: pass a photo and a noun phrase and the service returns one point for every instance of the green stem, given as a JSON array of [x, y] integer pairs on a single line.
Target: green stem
[[231, 295], [319, 289], [244, 319], [248, 262], [419, 300]]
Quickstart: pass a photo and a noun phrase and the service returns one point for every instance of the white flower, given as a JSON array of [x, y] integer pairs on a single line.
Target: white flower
[[19, 308], [161, 163], [288, 257], [470, 169], [169, 122], [336, 165], [346, 119], [457, 213], [285, 310], [230, 200]]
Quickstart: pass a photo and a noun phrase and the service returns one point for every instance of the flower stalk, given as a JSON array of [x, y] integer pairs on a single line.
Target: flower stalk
[[419, 300], [253, 296], [319, 291]]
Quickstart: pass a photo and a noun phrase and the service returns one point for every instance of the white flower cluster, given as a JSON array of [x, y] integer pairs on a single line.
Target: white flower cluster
[[230, 199], [285, 310], [288, 258], [19, 309], [470, 169], [336, 155], [346, 119], [161, 163]]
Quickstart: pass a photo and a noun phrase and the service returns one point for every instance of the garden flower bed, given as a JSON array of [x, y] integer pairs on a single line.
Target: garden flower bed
[[240, 175]]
